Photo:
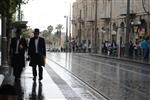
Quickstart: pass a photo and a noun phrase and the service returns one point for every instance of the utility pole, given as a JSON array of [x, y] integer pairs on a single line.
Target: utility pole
[[80, 29], [70, 27], [127, 28], [96, 31], [70, 20], [110, 37], [4, 60], [19, 11], [66, 33]]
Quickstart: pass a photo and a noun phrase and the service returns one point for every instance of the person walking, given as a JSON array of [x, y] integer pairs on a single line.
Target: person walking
[[37, 54], [145, 48], [18, 46], [131, 48], [89, 47]]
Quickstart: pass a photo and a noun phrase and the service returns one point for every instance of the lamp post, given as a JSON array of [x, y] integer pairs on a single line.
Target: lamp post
[[4, 61], [95, 44], [110, 30], [127, 28], [66, 32], [19, 11]]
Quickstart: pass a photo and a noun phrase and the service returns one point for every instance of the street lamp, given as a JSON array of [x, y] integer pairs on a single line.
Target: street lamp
[[127, 27], [96, 29], [66, 32]]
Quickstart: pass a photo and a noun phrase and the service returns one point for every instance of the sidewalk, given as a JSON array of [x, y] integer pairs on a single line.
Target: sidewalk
[[40, 90], [133, 60], [27, 89], [3, 74], [1, 79]]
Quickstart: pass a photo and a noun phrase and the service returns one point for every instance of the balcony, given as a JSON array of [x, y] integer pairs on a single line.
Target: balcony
[[105, 16], [80, 20], [90, 20], [123, 12]]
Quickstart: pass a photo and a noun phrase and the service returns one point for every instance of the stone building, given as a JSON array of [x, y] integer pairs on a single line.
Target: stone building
[[98, 21]]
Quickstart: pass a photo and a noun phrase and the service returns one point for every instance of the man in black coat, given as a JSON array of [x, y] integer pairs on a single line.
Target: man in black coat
[[18, 47], [37, 54]]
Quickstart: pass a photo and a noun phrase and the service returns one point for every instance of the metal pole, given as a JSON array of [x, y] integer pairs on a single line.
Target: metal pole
[[70, 29], [66, 33], [127, 27], [80, 29], [4, 62], [110, 20], [148, 16], [70, 20], [19, 11], [95, 46]]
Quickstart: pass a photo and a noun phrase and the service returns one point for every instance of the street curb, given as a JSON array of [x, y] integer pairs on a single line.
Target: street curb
[[123, 59], [1, 79]]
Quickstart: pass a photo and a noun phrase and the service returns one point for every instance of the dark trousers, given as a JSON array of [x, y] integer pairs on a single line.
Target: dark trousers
[[17, 65], [35, 71], [17, 71], [146, 53]]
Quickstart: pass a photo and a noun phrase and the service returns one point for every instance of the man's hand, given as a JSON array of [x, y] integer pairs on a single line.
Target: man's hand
[[20, 46], [28, 58]]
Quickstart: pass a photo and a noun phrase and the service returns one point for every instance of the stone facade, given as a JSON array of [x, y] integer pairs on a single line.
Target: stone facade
[[110, 21]]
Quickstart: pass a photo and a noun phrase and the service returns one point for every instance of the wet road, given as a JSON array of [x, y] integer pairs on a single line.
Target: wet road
[[113, 79]]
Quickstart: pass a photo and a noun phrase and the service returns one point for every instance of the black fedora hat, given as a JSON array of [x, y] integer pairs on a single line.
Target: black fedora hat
[[36, 30]]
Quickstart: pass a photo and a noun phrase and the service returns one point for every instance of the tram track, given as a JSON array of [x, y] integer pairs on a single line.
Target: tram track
[[79, 79]]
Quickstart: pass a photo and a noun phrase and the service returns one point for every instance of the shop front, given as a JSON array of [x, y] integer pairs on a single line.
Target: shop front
[[139, 29]]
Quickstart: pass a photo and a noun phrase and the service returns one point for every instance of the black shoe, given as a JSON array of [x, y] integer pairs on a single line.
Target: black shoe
[[40, 78], [34, 78], [17, 79]]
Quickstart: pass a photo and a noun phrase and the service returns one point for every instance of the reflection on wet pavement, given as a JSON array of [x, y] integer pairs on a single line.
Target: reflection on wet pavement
[[115, 80], [34, 95], [19, 89], [36, 90], [65, 89]]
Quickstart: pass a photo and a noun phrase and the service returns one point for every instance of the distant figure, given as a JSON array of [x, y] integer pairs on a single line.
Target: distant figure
[[145, 48], [18, 46], [131, 49], [84, 46], [37, 54], [89, 47]]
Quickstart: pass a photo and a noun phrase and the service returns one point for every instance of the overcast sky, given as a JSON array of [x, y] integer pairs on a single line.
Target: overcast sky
[[41, 13]]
